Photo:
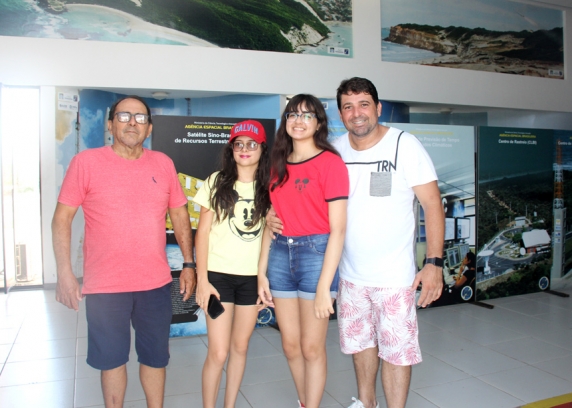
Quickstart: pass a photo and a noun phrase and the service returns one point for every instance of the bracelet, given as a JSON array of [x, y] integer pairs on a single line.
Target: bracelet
[[189, 265]]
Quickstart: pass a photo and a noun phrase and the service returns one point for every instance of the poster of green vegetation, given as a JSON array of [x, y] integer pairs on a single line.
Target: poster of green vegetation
[[511, 37], [514, 214], [322, 27]]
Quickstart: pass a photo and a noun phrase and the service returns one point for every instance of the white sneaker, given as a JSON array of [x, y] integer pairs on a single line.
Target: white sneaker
[[358, 404], [300, 405]]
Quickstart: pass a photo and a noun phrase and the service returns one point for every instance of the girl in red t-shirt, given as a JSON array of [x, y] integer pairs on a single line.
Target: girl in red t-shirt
[[298, 270]]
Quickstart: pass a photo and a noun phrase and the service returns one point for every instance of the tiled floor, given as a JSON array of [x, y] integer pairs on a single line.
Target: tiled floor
[[519, 352]]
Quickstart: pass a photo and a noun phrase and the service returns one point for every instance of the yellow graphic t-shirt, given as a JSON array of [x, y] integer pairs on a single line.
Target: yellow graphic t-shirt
[[234, 247]]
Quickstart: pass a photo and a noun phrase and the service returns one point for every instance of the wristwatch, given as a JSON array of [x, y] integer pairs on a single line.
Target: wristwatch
[[435, 261], [194, 265]]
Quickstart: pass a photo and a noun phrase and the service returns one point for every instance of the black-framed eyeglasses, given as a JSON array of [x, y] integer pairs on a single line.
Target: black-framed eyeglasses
[[125, 117], [305, 116], [250, 146]]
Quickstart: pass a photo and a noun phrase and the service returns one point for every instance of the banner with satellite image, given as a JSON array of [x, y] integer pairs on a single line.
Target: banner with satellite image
[[452, 150], [515, 211], [195, 144]]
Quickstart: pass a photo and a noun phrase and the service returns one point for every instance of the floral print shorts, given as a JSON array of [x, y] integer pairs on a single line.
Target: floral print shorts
[[382, 317]]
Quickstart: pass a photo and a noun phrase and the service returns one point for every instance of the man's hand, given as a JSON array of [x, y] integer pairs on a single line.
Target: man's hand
[[273, 222], [187, 282], [68, 292], [431, 277]]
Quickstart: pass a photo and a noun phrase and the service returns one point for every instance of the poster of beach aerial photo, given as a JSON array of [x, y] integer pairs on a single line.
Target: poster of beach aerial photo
[[506, 36], [320, 27]]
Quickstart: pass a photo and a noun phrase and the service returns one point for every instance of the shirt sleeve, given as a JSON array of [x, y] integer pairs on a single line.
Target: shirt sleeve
[[336, 181], [202, 197], [417, 164], [74, 184]]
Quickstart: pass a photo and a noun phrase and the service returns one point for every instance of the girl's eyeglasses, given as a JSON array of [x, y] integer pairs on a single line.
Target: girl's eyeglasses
[[305, 116], [250, 146]]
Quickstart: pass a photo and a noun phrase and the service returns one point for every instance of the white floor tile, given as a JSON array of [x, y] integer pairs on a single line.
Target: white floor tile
[[528, 307], [53, 394], [264, 370], [478, 360], [37, 371], [516, 353], [41, 350], [529, 350], [433, 372], [560, 367], [528, 383], [468, 393], [443, 342]]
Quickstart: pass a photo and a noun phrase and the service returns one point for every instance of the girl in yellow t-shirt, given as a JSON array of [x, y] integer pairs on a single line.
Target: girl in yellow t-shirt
[[234, 202]]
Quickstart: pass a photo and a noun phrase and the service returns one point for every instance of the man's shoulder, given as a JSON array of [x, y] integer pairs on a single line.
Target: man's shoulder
[[93, 152], [341, 141], [158, 157]]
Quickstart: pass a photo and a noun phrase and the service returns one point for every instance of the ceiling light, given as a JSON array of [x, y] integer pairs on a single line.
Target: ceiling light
[[160, 95]]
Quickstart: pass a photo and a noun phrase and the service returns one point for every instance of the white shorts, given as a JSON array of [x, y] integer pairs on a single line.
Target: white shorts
[[379, 317]]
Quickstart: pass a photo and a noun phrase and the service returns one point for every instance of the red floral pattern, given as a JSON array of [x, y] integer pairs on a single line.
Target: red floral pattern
[[382, 317]]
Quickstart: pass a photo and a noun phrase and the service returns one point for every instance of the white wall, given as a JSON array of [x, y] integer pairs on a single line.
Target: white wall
[[92, 64]]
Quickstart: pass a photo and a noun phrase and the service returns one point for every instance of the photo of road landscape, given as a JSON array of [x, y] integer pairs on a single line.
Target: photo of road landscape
[[515, 200], [486, 35]]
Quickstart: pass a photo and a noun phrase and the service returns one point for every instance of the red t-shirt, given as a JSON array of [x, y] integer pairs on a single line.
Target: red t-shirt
[[302, 202], [124, 204]]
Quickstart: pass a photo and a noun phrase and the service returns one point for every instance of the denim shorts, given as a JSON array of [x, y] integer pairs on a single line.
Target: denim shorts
[[295, 266], [109, 320]]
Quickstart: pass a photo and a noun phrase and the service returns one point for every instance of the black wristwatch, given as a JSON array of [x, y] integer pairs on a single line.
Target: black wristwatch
[[435, 261], [194, 265]]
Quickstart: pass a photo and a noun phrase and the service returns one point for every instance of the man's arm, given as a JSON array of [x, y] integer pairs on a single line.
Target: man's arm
[[273, 222], [68, 292], [431, 276], [183, 233]]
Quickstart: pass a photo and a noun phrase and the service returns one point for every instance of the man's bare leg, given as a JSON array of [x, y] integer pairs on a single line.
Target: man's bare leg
[[113, 385], [366, 364], [153, 382], [395, 381]]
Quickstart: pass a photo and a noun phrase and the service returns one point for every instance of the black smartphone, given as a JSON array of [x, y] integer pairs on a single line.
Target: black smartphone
[[215, 307]]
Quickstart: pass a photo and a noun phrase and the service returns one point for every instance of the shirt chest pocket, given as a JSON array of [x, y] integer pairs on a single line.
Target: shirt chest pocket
[[380, 184]]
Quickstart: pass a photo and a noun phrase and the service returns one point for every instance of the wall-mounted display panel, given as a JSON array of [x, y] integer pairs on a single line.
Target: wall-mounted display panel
[[510, 37], [319, 27]]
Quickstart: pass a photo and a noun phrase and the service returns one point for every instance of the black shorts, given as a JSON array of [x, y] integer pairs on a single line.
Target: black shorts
[[238, 289]]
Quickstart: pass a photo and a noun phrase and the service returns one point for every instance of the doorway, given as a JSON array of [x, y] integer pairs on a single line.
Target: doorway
[[21, 238]]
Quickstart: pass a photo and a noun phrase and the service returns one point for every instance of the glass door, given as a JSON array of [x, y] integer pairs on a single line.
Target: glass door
[[20, 153]]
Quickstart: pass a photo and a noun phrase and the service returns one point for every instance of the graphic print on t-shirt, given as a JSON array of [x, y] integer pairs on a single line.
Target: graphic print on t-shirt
[[301, 183], [240, 222]]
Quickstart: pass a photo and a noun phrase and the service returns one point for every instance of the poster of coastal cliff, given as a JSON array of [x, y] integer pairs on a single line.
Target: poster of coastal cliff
[[515, 211], [320, 27], [505, 36]]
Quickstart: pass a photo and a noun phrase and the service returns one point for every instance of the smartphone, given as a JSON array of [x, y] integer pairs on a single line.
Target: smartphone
[[215, 307]]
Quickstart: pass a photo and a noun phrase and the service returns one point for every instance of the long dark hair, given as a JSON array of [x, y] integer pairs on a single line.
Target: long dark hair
[[283, 143], [224, 196], [472, 260]]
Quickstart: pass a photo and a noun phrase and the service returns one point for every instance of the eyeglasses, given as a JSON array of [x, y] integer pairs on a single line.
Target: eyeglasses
[[250, 146], [125, 117], [305, 116]]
